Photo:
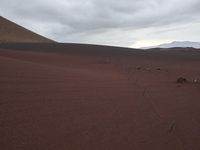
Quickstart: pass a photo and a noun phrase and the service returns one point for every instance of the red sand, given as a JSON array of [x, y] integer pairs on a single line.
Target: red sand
[[81, 97]]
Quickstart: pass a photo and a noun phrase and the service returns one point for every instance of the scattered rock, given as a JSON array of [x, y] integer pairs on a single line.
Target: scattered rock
[[181, 80], [158, 69], [196, 81], [148, 69], [171, 127]]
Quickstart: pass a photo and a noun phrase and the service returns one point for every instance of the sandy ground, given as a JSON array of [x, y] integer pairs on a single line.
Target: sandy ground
[[81, 97]]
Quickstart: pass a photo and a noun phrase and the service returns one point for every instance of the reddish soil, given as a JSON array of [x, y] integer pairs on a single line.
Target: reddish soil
[[82, 97]]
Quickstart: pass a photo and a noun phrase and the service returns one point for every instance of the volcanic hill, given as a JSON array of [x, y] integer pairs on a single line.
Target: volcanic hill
[[11, 32]]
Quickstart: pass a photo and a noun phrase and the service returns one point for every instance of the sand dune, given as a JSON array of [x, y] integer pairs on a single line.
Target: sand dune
[[84, 97], [11, 32]]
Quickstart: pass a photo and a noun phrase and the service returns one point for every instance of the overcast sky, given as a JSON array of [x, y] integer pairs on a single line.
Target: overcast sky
[[128, 23]]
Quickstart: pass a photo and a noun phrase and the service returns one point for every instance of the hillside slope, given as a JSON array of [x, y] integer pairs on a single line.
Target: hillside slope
[[11, 32]]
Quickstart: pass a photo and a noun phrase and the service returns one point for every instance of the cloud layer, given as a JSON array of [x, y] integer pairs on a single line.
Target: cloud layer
[[121, 23]]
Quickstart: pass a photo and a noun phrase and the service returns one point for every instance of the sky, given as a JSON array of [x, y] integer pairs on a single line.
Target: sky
[[125, 23]]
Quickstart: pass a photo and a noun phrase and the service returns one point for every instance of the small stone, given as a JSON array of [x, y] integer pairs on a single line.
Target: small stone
[[181, 80]]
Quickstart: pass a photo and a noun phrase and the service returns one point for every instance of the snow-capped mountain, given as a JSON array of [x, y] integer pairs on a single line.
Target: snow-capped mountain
[[177, 44]]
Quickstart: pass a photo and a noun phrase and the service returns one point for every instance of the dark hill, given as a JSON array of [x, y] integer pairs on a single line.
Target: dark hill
[[11, 32]]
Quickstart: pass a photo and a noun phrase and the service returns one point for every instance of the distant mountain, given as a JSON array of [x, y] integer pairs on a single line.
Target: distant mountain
[[176, 44], [11, 32]]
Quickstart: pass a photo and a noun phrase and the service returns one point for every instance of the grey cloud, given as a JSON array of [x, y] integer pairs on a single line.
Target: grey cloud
[[69, 18]]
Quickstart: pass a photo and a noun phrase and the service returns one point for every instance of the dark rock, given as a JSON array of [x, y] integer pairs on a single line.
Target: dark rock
[[181, 80]]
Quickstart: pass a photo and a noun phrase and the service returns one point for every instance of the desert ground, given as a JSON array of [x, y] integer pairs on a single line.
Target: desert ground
[[57, 96]]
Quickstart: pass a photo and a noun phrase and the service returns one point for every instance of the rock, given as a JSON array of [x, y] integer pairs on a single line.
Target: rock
[[181, 80]]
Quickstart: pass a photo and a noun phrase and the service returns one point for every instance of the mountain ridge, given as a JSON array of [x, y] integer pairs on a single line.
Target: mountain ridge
[[181, 44]]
